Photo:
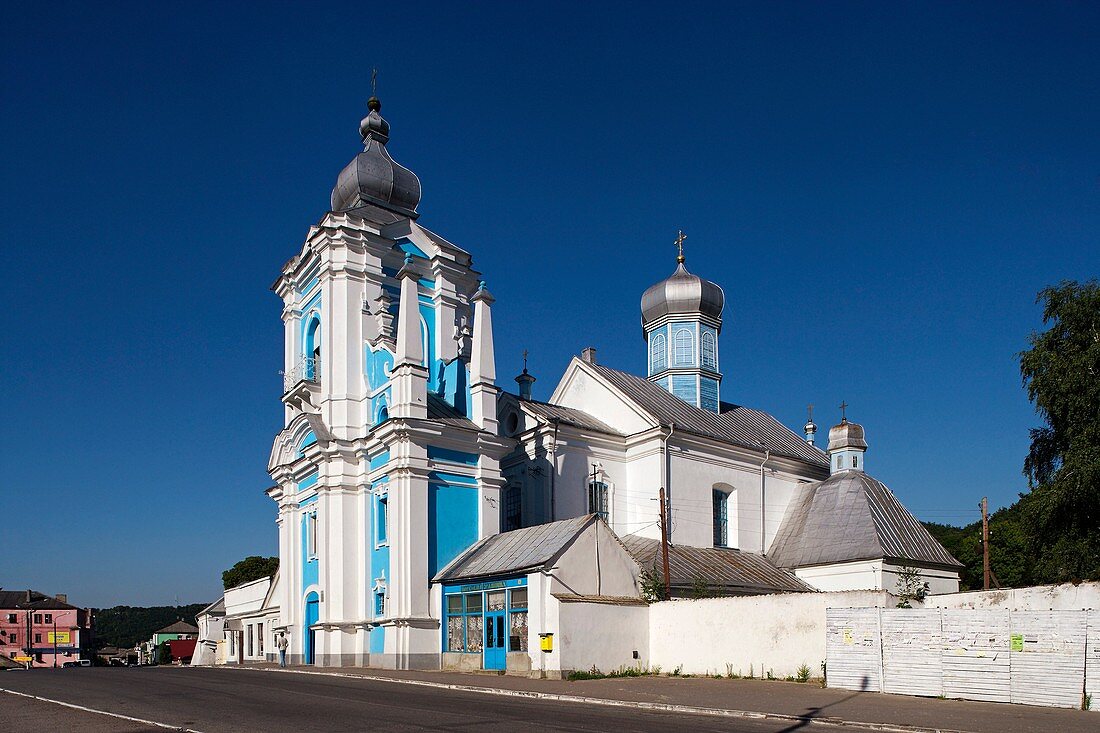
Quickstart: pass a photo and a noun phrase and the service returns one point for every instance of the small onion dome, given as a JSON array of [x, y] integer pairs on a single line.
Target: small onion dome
[[682, 293], [373, 177], [846, 435]]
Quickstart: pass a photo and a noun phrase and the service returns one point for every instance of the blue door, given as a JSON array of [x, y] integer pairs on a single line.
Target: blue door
[[312, 615], [495, 639]]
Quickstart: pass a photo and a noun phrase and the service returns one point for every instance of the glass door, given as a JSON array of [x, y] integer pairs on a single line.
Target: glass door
[[496, 639]]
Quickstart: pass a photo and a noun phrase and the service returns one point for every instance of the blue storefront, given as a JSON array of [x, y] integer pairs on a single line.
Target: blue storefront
[[486, 619]]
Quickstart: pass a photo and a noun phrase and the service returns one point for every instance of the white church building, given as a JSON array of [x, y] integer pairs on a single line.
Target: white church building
[[428, 518]]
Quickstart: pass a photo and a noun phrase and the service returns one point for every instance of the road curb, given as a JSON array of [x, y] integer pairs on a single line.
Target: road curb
[[654, 706]]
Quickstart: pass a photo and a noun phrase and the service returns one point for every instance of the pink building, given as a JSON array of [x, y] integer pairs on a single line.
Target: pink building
[[45, 628]]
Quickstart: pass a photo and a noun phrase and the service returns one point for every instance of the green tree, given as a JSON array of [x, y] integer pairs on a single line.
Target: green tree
[[1061, 372], [251, 568]]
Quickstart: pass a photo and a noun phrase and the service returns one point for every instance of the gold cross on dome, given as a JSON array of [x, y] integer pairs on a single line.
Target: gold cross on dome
[[680, 237]]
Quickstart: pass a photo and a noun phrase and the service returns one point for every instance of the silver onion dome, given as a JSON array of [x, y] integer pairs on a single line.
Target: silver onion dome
[[682, 293], [847, 435], [373, 177]]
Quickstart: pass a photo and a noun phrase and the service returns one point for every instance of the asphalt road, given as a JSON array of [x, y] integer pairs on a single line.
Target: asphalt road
[[213, 701]]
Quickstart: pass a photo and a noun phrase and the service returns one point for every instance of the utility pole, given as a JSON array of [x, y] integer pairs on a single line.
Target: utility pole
[[55, 642], [985, 542], [664, 545]]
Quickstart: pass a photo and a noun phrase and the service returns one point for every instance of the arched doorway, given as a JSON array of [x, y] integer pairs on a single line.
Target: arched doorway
[[313, 609]]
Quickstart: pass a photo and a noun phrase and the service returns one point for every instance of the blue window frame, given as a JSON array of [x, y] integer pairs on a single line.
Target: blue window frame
[[658, 353], [381, 528], [380, 603], [710, 350], [684, 348]]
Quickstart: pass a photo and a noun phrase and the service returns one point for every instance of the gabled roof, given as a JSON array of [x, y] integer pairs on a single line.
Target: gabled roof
[[729, 570], [851, 516], [31, 600], [518, 551], [179, 627], [735, 424], [217, 608], [567, 415]]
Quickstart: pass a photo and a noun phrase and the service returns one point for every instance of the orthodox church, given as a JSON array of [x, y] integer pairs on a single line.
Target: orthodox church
[[425, 514]]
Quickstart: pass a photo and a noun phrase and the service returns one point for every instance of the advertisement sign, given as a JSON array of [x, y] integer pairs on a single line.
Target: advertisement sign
[[58, 637]]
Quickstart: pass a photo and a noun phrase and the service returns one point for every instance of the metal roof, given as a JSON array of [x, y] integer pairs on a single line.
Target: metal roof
[[735, 424], [739, 572], [373, 179], [519, 550], [568, 415], [682, 292], [442, 411], [851, 516]]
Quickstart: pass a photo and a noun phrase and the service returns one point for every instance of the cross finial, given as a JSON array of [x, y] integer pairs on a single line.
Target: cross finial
[[525, 361], [680, 237], [844, 412], [810, 413], [374, 82]]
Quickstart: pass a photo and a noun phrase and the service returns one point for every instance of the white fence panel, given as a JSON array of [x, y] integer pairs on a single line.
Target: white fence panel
[[1047, 650], [975, 656], [1092, 660], [911, 652], [853, 649]]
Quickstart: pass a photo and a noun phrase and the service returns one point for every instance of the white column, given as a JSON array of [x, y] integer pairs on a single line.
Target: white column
[[483, 370], [410, 376]]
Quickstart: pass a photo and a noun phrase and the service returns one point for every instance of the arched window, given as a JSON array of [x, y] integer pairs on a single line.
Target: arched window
[[597, 498], [313, 349], [710, 351], [685, 349], [658, 353], [383, 413]]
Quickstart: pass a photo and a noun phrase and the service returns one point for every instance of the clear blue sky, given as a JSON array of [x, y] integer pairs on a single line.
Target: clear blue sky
[[881, 190]]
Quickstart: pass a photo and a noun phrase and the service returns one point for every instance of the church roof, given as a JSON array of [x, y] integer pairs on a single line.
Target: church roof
[[682, 292], [735, 424], [569, 415], [517, 551], [733, 571], [373, 181], [851, 516]]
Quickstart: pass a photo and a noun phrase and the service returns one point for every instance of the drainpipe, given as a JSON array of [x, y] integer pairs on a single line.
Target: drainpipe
[[668, 480], [553, 469], [763, 532]]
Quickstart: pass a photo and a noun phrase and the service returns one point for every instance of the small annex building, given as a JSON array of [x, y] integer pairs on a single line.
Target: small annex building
[[489, 594]]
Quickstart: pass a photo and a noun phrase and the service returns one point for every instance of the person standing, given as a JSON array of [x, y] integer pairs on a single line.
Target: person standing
[[281, 645]]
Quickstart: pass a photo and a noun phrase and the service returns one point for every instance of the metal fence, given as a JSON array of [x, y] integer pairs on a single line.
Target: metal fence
[[1031, 657]]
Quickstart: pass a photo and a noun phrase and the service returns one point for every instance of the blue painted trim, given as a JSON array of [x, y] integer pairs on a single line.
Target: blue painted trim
[[452, 478], [446, 455], [380, 460], [411, 249], [307, 482], [307, 502], [452, 523]]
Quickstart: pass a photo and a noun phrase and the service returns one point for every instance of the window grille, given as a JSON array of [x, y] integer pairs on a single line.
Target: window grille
[[721, 518], [597, 498]]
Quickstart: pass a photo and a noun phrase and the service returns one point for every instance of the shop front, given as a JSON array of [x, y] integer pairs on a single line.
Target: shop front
[[486, 625]]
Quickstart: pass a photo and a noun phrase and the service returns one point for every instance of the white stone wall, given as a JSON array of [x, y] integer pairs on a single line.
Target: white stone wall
[[1065, 597], [602, 636], [776, 633]]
